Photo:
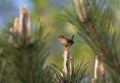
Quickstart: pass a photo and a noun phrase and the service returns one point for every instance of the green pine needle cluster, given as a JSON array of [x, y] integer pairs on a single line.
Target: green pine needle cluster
[[99, 30], [78, 75], [26, 64]]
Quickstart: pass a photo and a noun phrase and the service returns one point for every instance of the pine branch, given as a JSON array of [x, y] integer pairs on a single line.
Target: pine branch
[[99, 29], [106, 51], [25, 53]]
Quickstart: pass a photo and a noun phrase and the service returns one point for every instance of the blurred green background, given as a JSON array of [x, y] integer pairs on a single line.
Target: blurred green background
[[51, 12]]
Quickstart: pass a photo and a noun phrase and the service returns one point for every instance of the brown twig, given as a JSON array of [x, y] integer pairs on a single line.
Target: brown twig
[[67, 59], [102, 71]]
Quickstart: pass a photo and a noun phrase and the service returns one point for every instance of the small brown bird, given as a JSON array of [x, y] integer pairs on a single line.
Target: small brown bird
[[65, 41]]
